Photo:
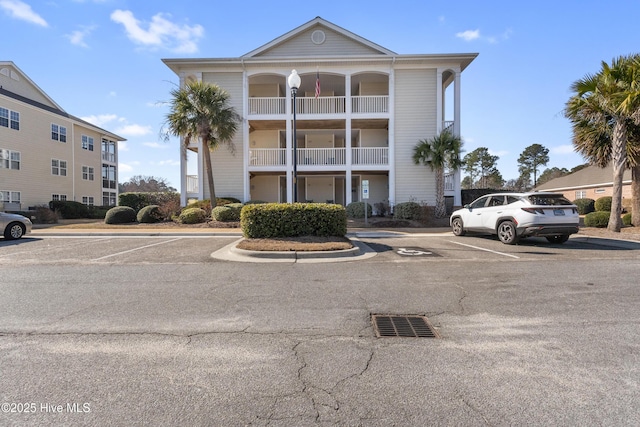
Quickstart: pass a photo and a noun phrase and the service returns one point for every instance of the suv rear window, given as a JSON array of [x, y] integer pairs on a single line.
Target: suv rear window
[[548, 200]]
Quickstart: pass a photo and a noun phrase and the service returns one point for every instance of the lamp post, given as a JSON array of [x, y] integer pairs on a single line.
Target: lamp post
[[294, 83]]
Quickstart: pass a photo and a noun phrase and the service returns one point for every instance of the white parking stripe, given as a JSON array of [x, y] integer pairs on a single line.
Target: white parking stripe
[[484, 249], [135, 249]]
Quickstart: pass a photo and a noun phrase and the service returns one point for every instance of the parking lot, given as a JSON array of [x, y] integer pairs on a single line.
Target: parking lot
[[388, 247], [153, 330]]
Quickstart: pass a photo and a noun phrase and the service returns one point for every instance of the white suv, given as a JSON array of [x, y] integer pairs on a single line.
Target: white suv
[[513, 216]]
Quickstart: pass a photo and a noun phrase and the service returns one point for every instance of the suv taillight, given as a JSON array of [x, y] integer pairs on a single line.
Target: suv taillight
[[534, 210]]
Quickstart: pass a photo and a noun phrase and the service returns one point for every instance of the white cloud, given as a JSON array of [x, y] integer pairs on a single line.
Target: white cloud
[[469, 35], [563, 149], [123, 167], [100, 120], [77, 37], [123, 146], [133, 130], [167, 163], [155, 145], [160, 32], [500, 153], [22, 11]]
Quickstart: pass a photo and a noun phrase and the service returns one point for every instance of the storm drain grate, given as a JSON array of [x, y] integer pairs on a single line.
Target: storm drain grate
[[403, 326]]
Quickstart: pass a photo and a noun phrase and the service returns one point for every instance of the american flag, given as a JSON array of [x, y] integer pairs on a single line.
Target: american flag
[[317, 84]]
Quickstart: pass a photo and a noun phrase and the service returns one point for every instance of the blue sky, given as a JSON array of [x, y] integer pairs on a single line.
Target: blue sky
[[101, 59]]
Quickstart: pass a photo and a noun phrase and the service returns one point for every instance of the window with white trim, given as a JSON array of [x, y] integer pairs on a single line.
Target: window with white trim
[[9, 118], [87, 173], [58, 167], [9, 196], [59, 197], [581, 194], [87, 200], [87, 143], [58, 133], [9, 159], [108, 198]]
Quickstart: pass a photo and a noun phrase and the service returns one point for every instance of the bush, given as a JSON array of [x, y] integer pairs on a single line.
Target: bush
[[603, 204], [407, 210], [120, 215], [69, 210], [201, 204], [44, 215], [291, 220], [227, 200], [626, 219], [139, 200], [230, 212], [98, 212], [150, 214], [382, 208], [254, 202], [599, 219], [191, 215], [585, 206], [356, 210]]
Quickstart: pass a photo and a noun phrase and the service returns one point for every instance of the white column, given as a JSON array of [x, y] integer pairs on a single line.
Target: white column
[[457, 198], [439, 102], [245, 140], [202, 151], [392, 140], [347, 139], [289, 143], [183, 162]]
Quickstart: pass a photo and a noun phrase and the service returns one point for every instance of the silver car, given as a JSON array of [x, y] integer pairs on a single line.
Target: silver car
[[512, 216], [14, 226]]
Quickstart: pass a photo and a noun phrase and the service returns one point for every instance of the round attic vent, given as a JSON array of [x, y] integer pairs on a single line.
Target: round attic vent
[[318, 37]]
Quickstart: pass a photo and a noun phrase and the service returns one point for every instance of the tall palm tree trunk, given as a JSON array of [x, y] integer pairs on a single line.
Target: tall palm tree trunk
[[618, 157], [440, 208], [209, 171], [635, 196]]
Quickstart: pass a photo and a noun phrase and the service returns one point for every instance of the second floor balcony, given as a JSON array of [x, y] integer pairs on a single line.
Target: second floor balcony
[[270, 106], [360, 156]]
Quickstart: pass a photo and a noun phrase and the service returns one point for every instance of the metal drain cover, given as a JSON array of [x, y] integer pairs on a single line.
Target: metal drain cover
[[403, 326]]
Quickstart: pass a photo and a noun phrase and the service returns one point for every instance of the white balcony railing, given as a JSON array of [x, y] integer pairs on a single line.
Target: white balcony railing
[[375, 156], [447, 125], [370, 104], [264, 105], [321, 156], [108, 157], [320, 105], [267, 157], [192, 184]]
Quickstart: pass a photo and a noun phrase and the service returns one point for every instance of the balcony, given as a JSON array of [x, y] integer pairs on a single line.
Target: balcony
[[108, 157], [192, 184], [361, 156], [320, 105]]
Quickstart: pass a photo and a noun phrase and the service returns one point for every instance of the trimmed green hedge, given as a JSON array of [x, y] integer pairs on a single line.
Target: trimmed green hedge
[[69, 209], [192, 216], [585, 206], [139, 200], [407, 210], [120, 215], [599, 219], [603, 204], [626, 219], [291, 220], [230, 212], [150, 214], [356, 210]]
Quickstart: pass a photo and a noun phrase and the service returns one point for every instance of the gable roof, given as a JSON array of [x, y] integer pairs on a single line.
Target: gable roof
[[591, 176], [320, 23], [11, 71]]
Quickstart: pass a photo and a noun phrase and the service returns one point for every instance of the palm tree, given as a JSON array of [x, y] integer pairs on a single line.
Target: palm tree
[[601, 110], [201, 110], [439, 153]]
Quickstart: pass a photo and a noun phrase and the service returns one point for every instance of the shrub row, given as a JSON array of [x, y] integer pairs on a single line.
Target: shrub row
[[290, 220]]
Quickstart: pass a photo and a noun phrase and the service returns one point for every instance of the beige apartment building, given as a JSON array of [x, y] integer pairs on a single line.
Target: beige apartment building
[[360, 111], [47, 154]]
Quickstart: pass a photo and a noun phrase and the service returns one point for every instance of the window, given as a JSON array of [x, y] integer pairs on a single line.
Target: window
[[87, 143], [59, 197], [108, 176], [9, 118], [87, 200], [59, 167], [582, 194], [58, 133], [108, 198], [15, 120], [108, 150], [600, 190], [9, 159], [9, 196], [4, 117], [87, 173]]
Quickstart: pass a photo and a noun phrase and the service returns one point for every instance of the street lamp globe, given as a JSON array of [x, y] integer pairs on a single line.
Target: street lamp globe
[[294, 80]]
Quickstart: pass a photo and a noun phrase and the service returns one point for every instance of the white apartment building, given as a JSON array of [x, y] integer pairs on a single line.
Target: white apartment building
[[372, 109], [47, 154]]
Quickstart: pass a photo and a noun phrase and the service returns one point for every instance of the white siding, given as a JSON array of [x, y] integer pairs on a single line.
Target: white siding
[[415, 119], [227, 167], [265, 188], [15, 83], [335, 44]]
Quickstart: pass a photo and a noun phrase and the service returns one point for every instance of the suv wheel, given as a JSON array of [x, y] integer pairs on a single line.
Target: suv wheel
[[558, 239], [457, 227], [507, 233]]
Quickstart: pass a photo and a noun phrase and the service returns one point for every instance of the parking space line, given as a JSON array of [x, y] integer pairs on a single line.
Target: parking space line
[[135, 249], [484, 249]]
